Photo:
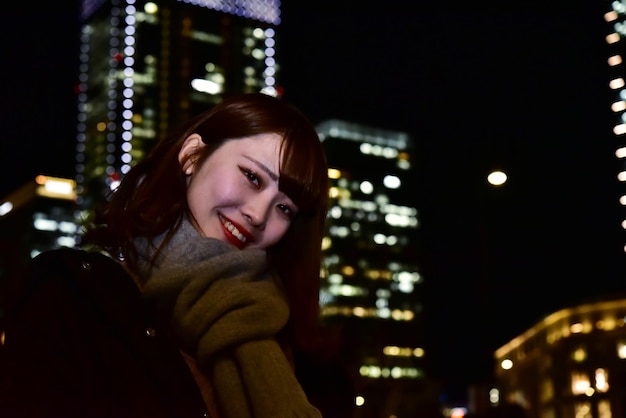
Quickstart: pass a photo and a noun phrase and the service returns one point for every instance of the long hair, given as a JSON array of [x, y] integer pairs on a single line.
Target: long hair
[[151, 198]]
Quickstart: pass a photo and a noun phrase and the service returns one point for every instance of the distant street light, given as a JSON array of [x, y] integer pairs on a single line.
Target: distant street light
[[496, 178]]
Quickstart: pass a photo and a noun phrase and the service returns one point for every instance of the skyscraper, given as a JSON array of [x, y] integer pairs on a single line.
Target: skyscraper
[[372, 283], [615, 16], [147, 66]]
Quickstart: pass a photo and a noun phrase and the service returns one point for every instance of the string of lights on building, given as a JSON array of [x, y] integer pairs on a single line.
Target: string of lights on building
[[130, 92], [614, 16]]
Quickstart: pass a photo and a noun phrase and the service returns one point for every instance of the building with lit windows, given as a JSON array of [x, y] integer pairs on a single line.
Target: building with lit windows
[[148, 66], [39, 216], [371, 283], [571, 364], [615, 16]]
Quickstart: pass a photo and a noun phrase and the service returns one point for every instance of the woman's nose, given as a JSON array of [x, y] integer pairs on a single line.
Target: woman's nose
[[256, 212]]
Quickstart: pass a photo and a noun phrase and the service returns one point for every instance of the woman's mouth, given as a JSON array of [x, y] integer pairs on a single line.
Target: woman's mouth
[[233, 233]]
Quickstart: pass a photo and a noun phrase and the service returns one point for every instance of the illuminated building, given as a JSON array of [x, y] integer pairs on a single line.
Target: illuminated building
[[571, 364], [41, 215], [371, 282], [147, 66], [615, 16]]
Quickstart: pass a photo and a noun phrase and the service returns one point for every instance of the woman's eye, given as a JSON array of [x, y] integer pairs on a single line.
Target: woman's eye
[[286, 210], [253, 178]]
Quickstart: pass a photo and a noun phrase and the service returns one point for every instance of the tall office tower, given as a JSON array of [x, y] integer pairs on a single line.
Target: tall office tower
[[615, 16], [147, 66], [372, 284]]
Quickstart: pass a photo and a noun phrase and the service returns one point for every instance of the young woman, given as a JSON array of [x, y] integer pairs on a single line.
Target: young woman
[[204, 283]]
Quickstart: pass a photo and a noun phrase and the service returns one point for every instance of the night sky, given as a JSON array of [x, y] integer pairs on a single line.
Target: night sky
[[521, 87]]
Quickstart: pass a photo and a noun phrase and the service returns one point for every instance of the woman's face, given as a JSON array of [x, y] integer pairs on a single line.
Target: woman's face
[[234, 196]]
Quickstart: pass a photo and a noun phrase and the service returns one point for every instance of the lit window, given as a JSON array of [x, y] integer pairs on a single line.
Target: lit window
[[547, 390], [580, 383], [45, 224], [582, 410], [366, 187], [579, 355], [602, 380], [576, 328], [616, 83], [604, 409], [391, 181]]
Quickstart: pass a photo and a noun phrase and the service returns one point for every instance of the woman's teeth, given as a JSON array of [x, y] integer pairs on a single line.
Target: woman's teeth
[[233, 230]]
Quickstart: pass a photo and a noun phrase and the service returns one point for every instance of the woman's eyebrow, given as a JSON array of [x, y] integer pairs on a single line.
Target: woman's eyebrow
[[263, 167]]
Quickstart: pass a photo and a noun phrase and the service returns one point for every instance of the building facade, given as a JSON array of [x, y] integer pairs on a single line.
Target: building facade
[[148, 66], [571, 364], [372, 284], [41, 215], [615, 17]]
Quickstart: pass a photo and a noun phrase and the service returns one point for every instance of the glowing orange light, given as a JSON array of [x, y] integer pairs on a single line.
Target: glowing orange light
[[457, 413]]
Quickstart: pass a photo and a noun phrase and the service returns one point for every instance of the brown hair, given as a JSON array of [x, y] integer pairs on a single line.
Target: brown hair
[[151, 198]]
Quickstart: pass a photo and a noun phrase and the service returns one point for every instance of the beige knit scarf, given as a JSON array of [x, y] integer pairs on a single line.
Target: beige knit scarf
[[225, 309]]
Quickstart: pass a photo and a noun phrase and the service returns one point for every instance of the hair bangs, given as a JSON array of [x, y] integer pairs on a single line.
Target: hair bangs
[[304, 175]]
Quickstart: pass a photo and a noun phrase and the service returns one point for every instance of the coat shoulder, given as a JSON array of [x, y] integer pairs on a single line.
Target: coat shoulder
[[75, 272]]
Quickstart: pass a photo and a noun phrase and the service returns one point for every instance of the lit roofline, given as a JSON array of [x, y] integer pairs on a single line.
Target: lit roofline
[[553, 319]]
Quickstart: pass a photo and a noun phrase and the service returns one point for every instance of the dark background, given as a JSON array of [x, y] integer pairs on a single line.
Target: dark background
[[519, 86], [478, 85]]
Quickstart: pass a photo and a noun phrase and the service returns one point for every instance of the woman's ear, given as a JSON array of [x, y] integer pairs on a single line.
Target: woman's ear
[[188, 153]]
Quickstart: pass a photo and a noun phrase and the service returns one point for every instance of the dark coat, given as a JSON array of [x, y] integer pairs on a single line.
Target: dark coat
[[79, 341]]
